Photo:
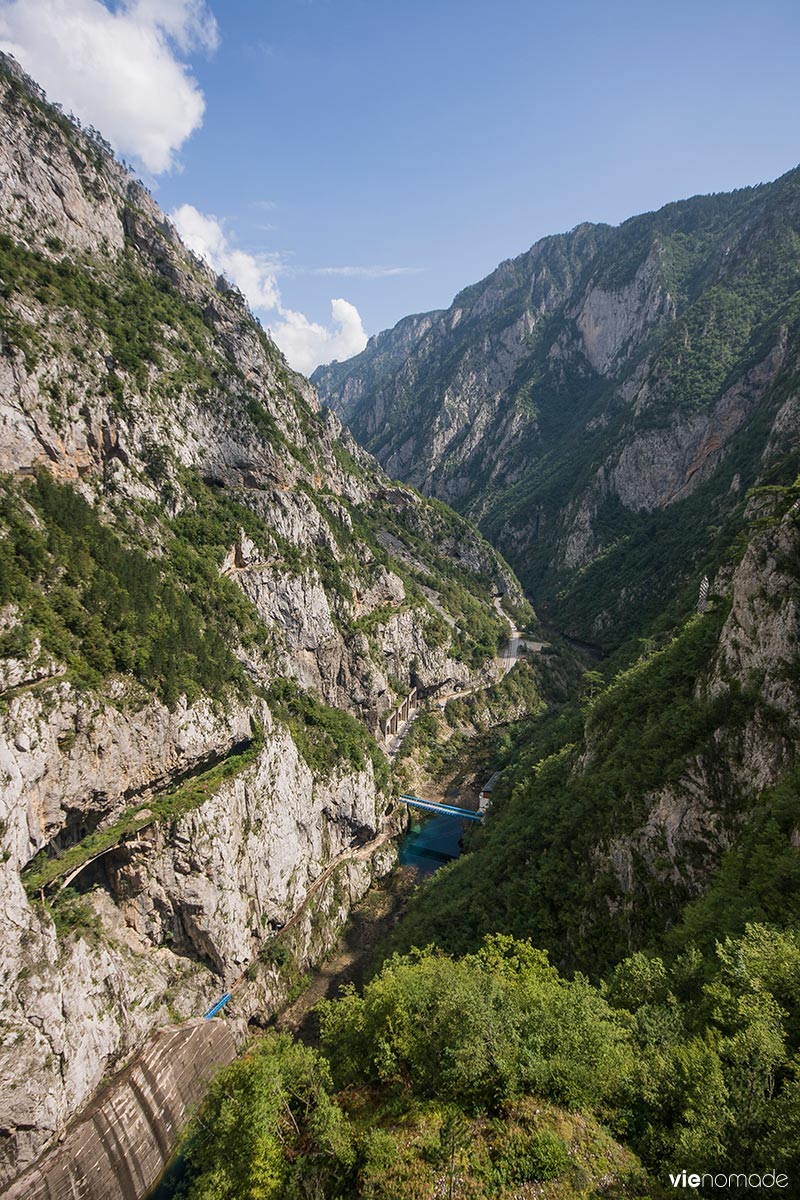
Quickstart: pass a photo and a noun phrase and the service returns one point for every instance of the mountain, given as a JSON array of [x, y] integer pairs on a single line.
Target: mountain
[[601, 404], [210, 599], [620, 940], [619, 409]]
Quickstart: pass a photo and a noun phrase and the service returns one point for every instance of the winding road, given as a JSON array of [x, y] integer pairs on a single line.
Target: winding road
[[506, 660], [503, 664]]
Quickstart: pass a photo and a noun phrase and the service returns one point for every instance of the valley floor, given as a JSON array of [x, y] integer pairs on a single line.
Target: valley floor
[[354, 953]]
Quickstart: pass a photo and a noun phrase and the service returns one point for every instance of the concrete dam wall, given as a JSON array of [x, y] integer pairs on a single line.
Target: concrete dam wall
[[119, 1146]]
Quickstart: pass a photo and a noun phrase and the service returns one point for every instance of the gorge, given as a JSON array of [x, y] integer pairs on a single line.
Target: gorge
[[216, 607], [194, 559]]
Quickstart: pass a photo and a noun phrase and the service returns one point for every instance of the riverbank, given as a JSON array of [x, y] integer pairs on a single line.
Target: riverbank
[[426, 845]]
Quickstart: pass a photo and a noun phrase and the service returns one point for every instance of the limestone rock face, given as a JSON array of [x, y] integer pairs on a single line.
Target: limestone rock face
[[692, 821], [659, 468], [177, 915], [41, 188], [169, 918], [138, 381], [759, 638], [69, 759]]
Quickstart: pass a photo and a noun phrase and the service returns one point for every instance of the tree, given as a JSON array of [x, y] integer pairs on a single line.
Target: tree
[[591, 683]]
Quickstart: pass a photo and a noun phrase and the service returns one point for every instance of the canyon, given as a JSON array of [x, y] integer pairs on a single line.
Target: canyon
[[219, 608], [196, 560]]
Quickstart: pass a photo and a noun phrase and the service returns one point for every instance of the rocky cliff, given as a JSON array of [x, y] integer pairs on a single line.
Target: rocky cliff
[[209, 598], [601, 403]]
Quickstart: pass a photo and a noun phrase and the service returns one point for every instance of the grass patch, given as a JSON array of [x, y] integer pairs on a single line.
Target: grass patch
[[326, 737], [175, 803]]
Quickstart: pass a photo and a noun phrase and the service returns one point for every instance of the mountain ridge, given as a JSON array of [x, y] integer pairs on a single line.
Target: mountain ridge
[[581, 390]]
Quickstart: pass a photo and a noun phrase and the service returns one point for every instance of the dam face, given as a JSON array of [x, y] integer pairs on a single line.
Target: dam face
[[118, 1147]]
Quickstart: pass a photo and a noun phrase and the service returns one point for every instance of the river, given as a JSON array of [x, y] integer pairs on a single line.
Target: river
[[429, 844]]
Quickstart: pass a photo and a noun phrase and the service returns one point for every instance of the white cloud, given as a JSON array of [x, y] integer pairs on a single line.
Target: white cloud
[[252, 275], [305, 343], [118, 70], [367, 272]]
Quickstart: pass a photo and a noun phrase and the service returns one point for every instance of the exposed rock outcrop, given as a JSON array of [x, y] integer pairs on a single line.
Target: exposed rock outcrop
[[113, 1153], [692, 821], [157, 455]]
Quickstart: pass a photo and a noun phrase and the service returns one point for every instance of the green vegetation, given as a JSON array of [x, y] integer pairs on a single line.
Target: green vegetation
[[425, 742], [431, 537], [276, 1130], [490, 1071], [73, 914], [420, 1088], [327, 738], [132, 309], [269, 429], [478, 1030], [729, 266], [534, 870], [103, 607], [519, 693], [164, 809], [574, 982], [758, 878]]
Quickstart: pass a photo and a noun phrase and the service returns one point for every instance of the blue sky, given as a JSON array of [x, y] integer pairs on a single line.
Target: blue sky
[[388, 152]]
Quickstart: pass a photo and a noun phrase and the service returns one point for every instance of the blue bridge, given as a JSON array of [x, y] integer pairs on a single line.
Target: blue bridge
[[442, 810]]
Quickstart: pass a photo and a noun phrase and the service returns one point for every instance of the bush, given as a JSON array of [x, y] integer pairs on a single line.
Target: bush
[[326, 737], [530, 1159], [478, 1030], [275, 1128], [101, 606]]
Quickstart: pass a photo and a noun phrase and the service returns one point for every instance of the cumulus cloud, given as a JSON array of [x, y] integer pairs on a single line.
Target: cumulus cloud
[[305, 343], [119, 69], [252, 275]]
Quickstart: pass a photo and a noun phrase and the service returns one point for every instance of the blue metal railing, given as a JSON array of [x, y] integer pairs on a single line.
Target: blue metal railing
[[215, 1008]]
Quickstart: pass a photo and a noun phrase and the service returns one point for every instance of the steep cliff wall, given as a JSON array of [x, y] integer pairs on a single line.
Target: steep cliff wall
[[122, 1145], [746, 685], [209, 598]]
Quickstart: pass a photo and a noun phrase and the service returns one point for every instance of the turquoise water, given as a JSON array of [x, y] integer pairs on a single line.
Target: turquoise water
[[428, 844]]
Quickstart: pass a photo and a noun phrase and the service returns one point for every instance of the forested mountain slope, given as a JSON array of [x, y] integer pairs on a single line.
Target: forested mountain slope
[[601, 404], [665, 807], [209, 599], [650, 837]]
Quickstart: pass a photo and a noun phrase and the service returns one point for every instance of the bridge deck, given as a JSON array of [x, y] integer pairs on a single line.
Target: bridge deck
[[443, 810]]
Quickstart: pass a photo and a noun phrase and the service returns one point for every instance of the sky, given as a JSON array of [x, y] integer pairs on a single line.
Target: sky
[[347, 162]]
